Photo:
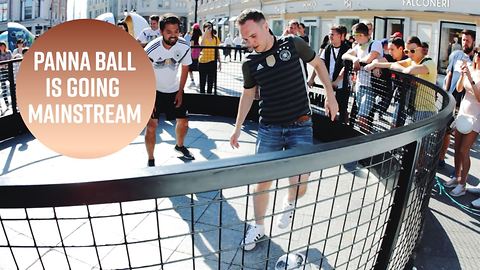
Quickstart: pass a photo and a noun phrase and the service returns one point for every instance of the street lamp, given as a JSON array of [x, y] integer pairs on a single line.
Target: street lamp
[[196, 10]]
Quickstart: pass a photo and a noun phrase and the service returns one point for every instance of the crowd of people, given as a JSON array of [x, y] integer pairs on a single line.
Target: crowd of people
[[278, 65]]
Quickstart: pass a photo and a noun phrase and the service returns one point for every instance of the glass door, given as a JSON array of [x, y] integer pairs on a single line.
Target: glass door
[[384, 27], [311, 30]]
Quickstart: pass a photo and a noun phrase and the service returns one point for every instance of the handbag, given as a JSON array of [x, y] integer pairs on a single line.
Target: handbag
[[464, 123]]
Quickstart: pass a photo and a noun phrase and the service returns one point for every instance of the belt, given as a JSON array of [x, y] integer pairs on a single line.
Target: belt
[[299, 120]]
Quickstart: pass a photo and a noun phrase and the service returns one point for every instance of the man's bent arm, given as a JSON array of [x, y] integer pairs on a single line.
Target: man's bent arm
[[331, 105]]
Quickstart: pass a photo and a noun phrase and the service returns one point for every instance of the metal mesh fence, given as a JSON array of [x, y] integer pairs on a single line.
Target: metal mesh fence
[[337, 224], [8, 74], [228, 78], [356, 214]]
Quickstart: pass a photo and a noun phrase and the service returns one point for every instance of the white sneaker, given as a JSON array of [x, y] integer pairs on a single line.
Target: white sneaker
[[476, 203], [192, 83], [253, 234], [451, 183], [473, 189], [458, 191], [287, 215]]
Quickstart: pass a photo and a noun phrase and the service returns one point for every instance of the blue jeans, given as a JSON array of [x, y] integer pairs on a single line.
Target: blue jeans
[[273, 137], [365, 100]]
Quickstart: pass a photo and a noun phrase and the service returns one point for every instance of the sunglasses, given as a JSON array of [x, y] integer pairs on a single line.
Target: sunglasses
[[406, 51]]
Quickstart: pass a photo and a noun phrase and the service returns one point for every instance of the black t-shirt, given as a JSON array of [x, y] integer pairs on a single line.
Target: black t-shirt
[[280, 77], [306, 39]]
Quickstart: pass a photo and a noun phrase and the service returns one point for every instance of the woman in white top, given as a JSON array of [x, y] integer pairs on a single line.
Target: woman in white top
[[470, 107]]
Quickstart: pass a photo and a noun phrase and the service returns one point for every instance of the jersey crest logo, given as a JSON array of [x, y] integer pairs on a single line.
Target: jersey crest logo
[[270, 61], [285, 55], [177, 54]]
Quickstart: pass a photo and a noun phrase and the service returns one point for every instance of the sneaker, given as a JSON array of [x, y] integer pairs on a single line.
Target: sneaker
[[286, 216], [458, 191], [451, 183], [473, 189], [441, 163], [192, 83], [184, 151], [476, 203], [151, 163], [253, 234]]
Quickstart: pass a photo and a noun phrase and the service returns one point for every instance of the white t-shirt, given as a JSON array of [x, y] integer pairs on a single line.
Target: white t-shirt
[[238, 41], [166, 62], [363, 77], [455, 61], [148, 35], [331, 68]]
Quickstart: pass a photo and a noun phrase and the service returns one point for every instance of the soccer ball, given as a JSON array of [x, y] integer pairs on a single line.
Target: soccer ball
[[290, 261]]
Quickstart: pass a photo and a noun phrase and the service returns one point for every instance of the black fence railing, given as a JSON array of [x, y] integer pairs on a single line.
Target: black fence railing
[[364, 206], [8, 74]]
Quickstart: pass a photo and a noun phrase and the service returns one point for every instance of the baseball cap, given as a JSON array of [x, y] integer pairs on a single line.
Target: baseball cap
[[396, 35]]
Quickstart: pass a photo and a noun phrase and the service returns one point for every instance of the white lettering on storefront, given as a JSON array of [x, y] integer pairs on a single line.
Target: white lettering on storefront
[[427, 3]]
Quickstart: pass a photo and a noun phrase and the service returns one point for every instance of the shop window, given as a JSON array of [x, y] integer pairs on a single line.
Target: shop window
[[277, 27], [348, 22], [449, 32]]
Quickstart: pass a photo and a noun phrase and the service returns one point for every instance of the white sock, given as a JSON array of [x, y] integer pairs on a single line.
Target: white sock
[[260, 228]]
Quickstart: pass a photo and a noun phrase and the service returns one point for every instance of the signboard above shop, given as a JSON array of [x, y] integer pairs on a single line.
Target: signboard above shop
[[451, 6]]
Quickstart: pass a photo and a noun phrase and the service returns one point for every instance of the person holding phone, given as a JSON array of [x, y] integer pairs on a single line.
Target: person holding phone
[[208, 58], [469, 82]]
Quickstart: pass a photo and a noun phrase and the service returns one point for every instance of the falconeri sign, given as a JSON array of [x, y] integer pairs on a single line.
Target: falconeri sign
[[426, 3]]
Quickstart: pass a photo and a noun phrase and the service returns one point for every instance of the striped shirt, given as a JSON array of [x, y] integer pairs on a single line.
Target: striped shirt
[[279, 74]]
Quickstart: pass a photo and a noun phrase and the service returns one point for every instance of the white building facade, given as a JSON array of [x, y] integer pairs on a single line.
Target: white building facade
[[3, 15], [146, 8], [433, 21], [37, 15], [98, 7]]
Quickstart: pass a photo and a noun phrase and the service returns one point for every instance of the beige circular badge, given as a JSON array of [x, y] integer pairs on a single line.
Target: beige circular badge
[[86, 89]]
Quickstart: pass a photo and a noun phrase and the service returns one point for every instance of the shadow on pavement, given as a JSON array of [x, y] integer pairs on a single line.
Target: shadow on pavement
[[435, 250]]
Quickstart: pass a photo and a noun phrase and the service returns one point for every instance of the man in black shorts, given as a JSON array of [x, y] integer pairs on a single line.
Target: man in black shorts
[[167, 53]]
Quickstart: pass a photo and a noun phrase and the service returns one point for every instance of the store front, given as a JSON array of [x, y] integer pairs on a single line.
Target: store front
[[449, 32]]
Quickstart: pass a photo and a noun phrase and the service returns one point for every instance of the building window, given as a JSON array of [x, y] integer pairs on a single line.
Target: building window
[[37, 9], [3, 12], [277, 27], [28, 9], [348, 22], [166, 3]]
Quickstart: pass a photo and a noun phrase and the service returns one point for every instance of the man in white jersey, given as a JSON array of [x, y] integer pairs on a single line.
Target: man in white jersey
[[150, 33], [167, 53]]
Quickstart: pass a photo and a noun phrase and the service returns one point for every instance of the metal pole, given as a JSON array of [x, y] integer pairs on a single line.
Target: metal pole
[[196, 10], [400, 201]]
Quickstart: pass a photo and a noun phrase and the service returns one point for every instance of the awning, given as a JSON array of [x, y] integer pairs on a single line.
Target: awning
[[222, 21], [232, 19], [214, 20]]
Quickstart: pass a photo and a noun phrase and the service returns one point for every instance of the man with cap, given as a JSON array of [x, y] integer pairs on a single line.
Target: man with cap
[[396, 35]]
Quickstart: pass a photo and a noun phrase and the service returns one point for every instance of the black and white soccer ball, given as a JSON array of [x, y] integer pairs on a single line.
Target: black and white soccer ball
[[290, 261]]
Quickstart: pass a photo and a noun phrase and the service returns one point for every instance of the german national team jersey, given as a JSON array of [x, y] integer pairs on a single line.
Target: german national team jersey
[[166, 62], [279, 74], [148, 34]]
